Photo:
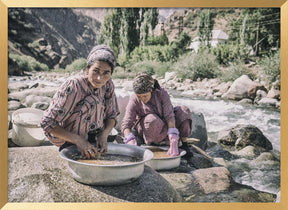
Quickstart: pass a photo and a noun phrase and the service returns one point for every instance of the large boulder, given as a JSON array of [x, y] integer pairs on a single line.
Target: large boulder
[[241, 136], [45, 177], [243, 87]]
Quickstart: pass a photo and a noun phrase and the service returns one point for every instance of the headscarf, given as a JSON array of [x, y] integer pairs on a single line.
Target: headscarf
[[102, 53], [143, 83]]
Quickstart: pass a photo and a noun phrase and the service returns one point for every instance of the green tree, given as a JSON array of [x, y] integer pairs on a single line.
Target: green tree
[[258, 28], [109, 32], [123, 29], [205, 26]]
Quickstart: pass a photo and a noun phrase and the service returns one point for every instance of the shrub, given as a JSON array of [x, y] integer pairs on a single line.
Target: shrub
[[158, 40], [147, 66], [121, 73], [28, 63], [271, 66], [152, 67], [226, 53], [76, 65], [156, 53], [236, 70], [196, 66]]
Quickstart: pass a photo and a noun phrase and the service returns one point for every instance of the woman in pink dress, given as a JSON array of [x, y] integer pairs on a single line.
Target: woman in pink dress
[[151, 117], [84, 109]]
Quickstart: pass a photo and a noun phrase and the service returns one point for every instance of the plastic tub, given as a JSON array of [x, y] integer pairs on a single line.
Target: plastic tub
[[26, 130]]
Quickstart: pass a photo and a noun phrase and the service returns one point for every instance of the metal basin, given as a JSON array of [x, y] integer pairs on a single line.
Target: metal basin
[[93, 174], [164, 163]]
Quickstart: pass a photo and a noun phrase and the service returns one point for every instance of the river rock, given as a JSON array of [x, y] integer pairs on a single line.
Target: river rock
[[17, 86], [221, 89], [33, 99], [241, 136], [199, 130], [243, 87], [266, 102], [44, 177], [265, 156], [200, 161], [248, 152], [273, 93], [40, 105], [214, 185], [245, 101], [14, 105], [21, 95], [220, 162], [259, 95]]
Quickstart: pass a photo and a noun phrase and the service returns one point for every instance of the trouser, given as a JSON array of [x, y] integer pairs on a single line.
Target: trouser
[[154, 130]]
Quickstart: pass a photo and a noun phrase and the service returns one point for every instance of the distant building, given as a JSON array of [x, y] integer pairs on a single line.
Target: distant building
[[218, 37]]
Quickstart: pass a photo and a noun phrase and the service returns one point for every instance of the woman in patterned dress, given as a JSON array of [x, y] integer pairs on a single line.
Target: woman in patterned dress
[[84, 109], [151, 116]]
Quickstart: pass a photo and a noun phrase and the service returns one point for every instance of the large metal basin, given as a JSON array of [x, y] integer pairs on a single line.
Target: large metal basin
[[164, 163], [93, 174]]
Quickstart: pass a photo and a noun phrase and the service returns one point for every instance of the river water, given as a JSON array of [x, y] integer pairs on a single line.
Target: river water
[[220, 115]]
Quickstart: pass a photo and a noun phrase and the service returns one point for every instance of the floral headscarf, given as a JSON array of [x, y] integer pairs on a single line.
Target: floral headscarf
[[143, 83], [102, 53]]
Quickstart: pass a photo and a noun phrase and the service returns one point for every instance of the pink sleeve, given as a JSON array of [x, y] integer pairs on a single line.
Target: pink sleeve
[[63, 101]]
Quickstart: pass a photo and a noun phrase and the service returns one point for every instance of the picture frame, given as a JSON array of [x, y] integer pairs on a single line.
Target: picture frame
[[5, 4]]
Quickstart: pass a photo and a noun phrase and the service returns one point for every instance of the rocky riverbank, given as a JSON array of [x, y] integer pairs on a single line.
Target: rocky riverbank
[[206, 177]]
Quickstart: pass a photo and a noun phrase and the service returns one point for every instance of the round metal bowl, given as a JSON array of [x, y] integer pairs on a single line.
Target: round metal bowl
[[164, 163], [93, 174]]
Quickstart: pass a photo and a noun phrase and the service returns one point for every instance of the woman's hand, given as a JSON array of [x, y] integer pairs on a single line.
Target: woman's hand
[[130, 139], [87, 150], [101, 142], [173, 135]]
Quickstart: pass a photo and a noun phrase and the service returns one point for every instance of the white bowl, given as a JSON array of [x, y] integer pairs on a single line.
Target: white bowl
[[26, 130]]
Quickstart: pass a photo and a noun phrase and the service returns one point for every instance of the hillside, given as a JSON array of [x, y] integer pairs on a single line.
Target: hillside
[[54, 37]]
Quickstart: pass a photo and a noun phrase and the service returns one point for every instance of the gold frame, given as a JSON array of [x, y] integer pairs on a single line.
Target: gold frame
[[5, 4]]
